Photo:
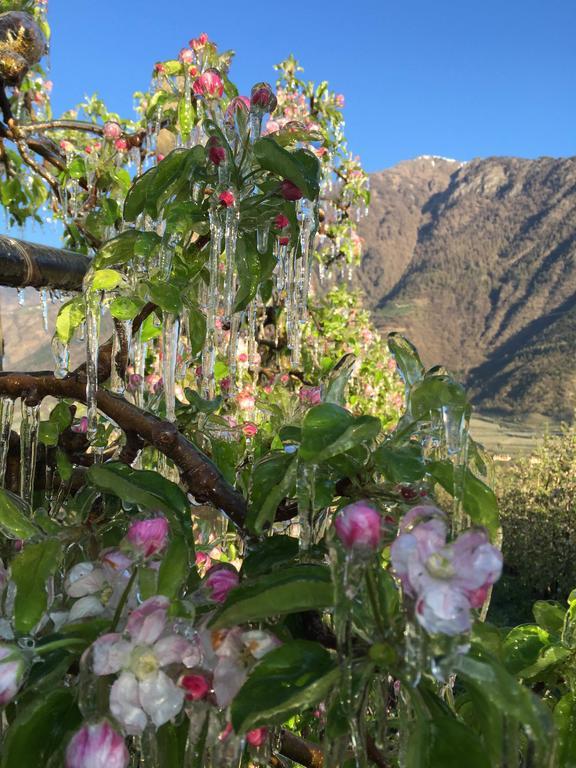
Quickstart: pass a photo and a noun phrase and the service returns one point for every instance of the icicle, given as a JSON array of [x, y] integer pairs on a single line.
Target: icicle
[[209, 352], [61, 354], [184, 351], [28, 448], [230, 240], [170, 333], [139, 354], [44, 302], [21, 296], [307, 222], [253, 360], [92, 303], [6, 413], [233, 350], [262, 234], [281, 253], [455, 421], [122, 334], [306, 492]]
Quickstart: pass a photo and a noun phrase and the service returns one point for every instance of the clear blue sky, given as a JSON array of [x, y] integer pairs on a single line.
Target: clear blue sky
[[460, 78]]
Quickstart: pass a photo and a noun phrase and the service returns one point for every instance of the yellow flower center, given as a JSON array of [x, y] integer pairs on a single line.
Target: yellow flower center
[[440, 567], [144, 663]]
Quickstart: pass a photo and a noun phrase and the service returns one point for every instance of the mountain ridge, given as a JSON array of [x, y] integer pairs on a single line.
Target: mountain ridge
[[476, 263]]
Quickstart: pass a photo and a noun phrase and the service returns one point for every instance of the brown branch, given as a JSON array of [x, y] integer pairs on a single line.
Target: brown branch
[[198, 473], [63, 125], [311, 755]]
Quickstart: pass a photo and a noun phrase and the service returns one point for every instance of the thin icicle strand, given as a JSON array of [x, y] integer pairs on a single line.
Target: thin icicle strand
[[230, 241], [209, 352], [262, 235], [61, 355], [117, 384], [28, 449], [170, 334], [44, 303], [92, 299], [233, 350], [6, 413]]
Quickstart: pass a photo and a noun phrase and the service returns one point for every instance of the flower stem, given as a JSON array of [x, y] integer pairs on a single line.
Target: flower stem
[[123, 601], [374, 601], [70, 642]]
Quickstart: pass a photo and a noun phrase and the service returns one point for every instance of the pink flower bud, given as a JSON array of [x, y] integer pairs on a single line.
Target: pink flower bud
[[339, 100], [66, 146], [97, 746], [199, 42], [134, 381], [220, 579], [159, 67], [80, 427], [226, 198], [209, 84], [238, 104], [121, 145], [216, 152], [186, 55], [112, 130], [290, 191], [249, 429], [242, 357], [148, 537], [262, 98], [283, 240], [12, 668], [257, 737], [196, 687], [281, 221], [358, 526]]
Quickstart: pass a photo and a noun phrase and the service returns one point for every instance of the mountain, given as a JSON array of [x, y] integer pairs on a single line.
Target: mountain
[[476, 263]]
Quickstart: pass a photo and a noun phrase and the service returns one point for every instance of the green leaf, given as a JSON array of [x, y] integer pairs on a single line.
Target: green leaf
[[40, 729], [407, 358], [175, 567], [185, 115], [550, 657], [273, 479], [197, 326], [565, 722], [64, 465], [549, 615], [404, 464], [71, 315], [271, 553], [444, 743], [248, 266], [147, 489], [124, 247], [61, 416], [337, 380], [287, 681], [522, 646], [150, 329], [502, 692], [166, 295], [30, 570], [329, 430], [430, 394], [105, 280], [136, 198], [15, 514], [48, 433], [479, 501], [294, 589], [301, 168], [125, 308]]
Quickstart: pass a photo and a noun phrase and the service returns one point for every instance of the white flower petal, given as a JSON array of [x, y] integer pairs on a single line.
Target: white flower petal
[[86, 606], [110, 654], [160, 698], [147, 622], [172, 649], [84, 579], [125, 704], [444, 610], [229, 677]]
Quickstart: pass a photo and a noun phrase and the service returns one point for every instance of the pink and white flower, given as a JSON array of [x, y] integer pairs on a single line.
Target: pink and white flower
[[209, 84], [143, 691], [446, 580], [12, 669], [112, 130], [310, 395], [96, 587], [97, 745]]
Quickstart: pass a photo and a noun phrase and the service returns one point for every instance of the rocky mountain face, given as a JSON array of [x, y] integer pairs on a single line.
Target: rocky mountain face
[[476, 263]]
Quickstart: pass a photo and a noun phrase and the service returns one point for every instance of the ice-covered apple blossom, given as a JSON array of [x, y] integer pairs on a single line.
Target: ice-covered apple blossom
[[97, 745], [143, 690], [12, 670], [148, 537], [219, 580], [446, 580]]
